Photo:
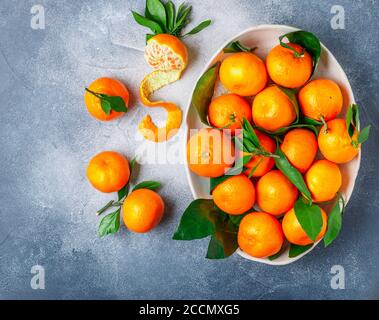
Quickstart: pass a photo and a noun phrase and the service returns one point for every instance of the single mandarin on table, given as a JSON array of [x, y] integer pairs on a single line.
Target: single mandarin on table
[[108, 171]]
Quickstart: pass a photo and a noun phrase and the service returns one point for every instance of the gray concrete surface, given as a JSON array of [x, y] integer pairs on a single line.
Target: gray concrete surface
[[47, 212]]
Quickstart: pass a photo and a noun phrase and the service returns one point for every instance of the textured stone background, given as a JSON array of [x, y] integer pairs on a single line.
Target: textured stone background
[[47, 137]]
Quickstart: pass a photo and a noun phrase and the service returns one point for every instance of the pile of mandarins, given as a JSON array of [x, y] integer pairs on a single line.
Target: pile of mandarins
[[257, 93]]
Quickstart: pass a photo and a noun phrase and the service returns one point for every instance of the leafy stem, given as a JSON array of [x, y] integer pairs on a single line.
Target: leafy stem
[[108, 103]]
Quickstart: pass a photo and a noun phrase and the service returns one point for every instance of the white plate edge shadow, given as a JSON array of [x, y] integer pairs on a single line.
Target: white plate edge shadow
[[210, 62]]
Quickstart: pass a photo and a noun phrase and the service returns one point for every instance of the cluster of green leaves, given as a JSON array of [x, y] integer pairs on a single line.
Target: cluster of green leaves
[[307, 40], [202, 219], [110, 223], [108, 103], [162, 17], [353, 125]]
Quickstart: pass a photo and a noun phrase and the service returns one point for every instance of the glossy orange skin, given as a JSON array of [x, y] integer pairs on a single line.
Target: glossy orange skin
[[272, 109], [235, 195], [300, 147], [108, 86], [324, 180], [295, 233], [175, 44], [142, 210], [108, 171], [267, 163], [210, 153], [275, 193], [243, 73], [228, 111], [336, 144], [321, 98], [285, 69], [260, 235]]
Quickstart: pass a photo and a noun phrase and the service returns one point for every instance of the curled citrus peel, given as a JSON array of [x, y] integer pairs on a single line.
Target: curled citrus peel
[[168, 56]]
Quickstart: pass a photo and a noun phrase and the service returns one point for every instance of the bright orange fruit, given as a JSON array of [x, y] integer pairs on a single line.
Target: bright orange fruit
[[321, 98], [300, 147], [210, 153], [275, 193], [108, 171], [273, 109], [110, 87], [295, 233], [287, 70], [235, 195], [142, 210], [260, 235], [243, 73], [335, 142], [228, 111], [323, 179]]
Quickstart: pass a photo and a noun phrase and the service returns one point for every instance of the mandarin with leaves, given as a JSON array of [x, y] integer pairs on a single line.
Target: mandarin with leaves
[[294, 232], [289, 68], [235, 195], [324, 180], [260, 235], [108, 171], [243, 73], [228, 111], [106, 99], [273, 109], [275, 193], [335, 143], [210, 153], [300, 147], [259, 165]]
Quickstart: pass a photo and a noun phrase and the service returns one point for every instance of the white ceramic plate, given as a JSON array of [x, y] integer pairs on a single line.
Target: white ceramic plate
[[265, 37]]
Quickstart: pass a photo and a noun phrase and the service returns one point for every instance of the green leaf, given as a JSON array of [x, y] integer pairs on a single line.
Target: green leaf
[[181, 10], [157, 12], [296, 250], [123, 192], [152, 185], [170, 13], [106, 106], [236, 46], [143, 21], [223, 243], [201, 219], [198, 220], [352, 119], [249, 133], [255, 168], [364, 134], [277, 255], [334, 223], [308, 41], [291, 173], [199, 28], [309, 217], [181, 20], [203, 92], [117, 103], [284, 130], [291, 94], [311, 121], [149, 36], [110, 223], [236, 219]]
